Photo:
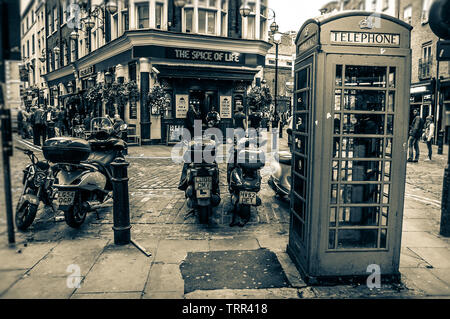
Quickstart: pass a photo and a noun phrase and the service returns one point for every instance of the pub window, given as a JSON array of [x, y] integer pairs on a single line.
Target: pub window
[[159, 13], [125, 21], [206, 17], [425, 10], [188, 18], [224, 23], [407, 14], [115, 25], [143, 15], [73, 53]]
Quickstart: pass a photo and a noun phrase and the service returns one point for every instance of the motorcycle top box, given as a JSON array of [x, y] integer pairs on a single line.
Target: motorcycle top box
[[251, 159], [66, 150]]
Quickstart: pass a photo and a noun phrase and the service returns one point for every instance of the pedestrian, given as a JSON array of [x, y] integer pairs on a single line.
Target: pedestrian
[[50, 122], [415, 132], [38, 119], [275, 120], [87, 121], [213, 117], [428, 135], [192, 114], [254, 118], [20, 122], [239, 119], [28, 125]]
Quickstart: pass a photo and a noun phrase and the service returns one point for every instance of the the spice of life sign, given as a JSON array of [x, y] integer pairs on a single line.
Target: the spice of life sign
[[365, 38], [205, 55]]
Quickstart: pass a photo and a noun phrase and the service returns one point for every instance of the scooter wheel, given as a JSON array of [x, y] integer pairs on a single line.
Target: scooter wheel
[[25, 215], [203, 214], [75, 216]]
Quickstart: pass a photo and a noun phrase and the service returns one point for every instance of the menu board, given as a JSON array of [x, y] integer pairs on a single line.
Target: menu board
[[133, 110], [225, 107], [181, 106]]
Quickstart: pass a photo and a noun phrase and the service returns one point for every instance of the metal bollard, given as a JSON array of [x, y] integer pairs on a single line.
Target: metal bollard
[[440, 142], [121, 208]]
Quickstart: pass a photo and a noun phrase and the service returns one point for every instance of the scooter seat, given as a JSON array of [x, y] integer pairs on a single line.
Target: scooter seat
[[284, 157], [251, 159]]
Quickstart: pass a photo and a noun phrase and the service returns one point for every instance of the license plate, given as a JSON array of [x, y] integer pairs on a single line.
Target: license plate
[[66, 198], [247, 198], [203, 186]]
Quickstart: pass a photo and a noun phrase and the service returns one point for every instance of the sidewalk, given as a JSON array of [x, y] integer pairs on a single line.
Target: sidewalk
[[191, 261]]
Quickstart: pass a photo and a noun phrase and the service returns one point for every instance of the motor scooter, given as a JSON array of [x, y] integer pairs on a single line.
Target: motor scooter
[[244, 177], [280, 178], [84, 179], [37, 182], [202, 178]]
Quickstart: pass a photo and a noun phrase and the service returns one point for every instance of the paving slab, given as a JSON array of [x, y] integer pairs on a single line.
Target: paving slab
[[40, 287], [175, 250], [274, 243], [109, 295], [424, 282], [421, 239], [81, 252], [420, 224], [409, 259], [279, 293], [164, 278], [442, 274], [8, 277], [118, 269], [22, 257], [436, 256], [163, 295], [235, 243]]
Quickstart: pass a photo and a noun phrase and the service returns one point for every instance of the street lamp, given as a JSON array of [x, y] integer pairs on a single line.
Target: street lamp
[[70, 87], [245, 10], [108, 77], [180, 3]]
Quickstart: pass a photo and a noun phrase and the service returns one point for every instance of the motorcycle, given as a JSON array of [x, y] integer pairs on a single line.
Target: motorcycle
[[37, 183], [244, 178], [202, 178], [84, 179], [280, 179]]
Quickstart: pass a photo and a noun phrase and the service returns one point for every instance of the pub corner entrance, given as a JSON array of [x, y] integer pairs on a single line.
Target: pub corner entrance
[[351, 106]]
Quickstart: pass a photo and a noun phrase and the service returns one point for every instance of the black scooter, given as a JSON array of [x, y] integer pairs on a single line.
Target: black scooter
[[202, 178], [244, 178]]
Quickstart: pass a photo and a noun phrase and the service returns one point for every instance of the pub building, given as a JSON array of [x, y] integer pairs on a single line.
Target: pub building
[[203, 52]]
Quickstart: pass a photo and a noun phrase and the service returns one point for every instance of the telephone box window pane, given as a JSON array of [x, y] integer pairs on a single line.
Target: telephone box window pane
[[388, 151], [335, 171], [357, 238], [359, 216], [299, 207], [301, 144], [383, 238], [386, 193], [337, 100], [357, 171], [390, 124], [300, 186], [387, 171], [302, 123], [302, 79], [362, 147], [336, 147], [384, 216], [372, 76], [391, 102], [302, 101], [298, 227], [337, 123], [334, 194], [363, 124], [333, 216], [332, 239], [364, 100], [392, 77], [338, 75], [300, 166], [360, 194]]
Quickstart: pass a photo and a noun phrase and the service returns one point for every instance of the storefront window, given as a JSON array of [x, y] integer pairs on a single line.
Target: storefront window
[[142, 15]]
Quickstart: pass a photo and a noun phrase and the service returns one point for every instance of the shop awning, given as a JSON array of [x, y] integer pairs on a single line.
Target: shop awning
[[195, 71]]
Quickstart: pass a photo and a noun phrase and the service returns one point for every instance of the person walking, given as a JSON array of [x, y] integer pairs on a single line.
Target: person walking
[[239, 119], [415, 132], [20, 122], [428, 135], [38, 119]]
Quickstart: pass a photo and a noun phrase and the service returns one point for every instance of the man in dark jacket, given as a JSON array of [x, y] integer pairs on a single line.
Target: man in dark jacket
[[415, 132]]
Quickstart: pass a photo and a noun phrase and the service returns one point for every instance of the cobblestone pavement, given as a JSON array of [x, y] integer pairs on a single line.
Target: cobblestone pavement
[[154, 200]]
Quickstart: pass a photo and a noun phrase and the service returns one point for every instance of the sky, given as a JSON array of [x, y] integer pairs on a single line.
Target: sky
[[290, 14]]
